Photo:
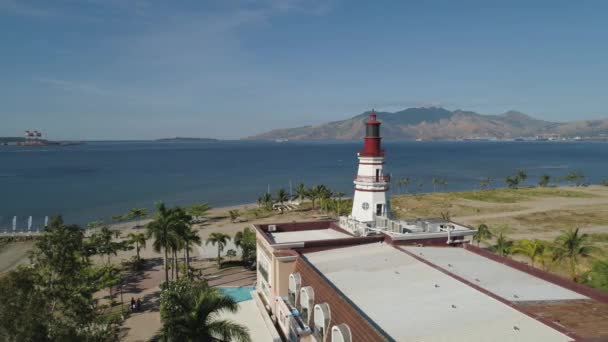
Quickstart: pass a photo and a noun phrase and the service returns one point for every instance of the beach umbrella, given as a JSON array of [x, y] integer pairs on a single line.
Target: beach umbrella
[[46, 222], [14, 223], [29, 223]]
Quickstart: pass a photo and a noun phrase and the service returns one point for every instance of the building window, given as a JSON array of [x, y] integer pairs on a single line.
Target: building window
[[321, 319], [295, 282], [341, 333], [307, 299]]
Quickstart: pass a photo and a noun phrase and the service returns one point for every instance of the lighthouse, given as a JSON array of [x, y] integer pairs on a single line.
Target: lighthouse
[[371, 184]]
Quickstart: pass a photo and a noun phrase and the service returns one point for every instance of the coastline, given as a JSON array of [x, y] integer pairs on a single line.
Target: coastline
[[14, 254]]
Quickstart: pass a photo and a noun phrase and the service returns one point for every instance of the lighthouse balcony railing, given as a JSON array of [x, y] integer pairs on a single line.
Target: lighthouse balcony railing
[[381, 179], [380, 153]]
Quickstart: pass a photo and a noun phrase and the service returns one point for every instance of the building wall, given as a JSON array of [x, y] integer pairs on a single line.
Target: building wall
[[341, 310]]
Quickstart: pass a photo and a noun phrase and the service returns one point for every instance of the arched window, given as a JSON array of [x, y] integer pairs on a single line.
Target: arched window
[[322, 318], [295, 282], [307, 300], [341, 333]]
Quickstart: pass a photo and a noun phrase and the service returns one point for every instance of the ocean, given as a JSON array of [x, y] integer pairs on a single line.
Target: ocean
[[98, 180]]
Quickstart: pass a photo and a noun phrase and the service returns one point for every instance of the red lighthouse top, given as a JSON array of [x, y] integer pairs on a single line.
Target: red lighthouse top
[[371, 146]]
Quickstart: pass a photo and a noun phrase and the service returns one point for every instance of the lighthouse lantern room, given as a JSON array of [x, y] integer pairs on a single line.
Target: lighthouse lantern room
[[371, 184]]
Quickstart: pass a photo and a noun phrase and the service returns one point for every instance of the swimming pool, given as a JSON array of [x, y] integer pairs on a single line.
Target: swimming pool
[[239, 294]]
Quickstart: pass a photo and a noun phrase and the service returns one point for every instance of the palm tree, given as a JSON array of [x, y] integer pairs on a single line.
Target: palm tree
[[137, 214], [483, 233], [435, 181], [198, 211], [267, 200], [162, 230], [301, 191], [219, 239], [522, 175], [405, 182], [190, 238], [572, 245], [443, 183], [139, 239], [282, 196], [544, 180], [314, 193], [512, 182], [533, 249], [503, 246], [339, 196], [194, 314], [324, 197], [234, 214]]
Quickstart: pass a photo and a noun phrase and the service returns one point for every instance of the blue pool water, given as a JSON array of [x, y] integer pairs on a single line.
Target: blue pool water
[[239, 294]]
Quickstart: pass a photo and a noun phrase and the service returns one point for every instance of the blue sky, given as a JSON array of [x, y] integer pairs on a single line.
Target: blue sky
[[137, 69]]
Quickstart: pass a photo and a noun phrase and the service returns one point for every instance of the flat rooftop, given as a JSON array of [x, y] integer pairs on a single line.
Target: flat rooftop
[[307, 235], [502, 280], [411, 300]]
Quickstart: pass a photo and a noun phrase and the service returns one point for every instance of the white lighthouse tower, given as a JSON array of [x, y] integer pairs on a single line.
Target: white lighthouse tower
[[371, 184]]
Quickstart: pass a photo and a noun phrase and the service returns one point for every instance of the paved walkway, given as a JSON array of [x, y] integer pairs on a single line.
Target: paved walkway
[[143, 325]]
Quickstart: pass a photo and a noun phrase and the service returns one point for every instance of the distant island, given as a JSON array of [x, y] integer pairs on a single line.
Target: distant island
[[435, 123], [20, 141], [182, 139]]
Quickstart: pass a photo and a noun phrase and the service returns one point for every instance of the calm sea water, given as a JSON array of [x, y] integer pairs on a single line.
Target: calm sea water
[[101, 179]]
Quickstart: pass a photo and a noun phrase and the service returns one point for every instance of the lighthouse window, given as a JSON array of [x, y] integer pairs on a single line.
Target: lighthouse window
[[365, 206]]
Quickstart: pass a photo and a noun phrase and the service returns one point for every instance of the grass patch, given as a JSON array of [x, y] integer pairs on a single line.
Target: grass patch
[[518, 195], [599, 237], [432, 205], [563, 219]]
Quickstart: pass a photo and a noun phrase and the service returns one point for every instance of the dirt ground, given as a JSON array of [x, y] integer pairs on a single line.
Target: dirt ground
[[523, 213]]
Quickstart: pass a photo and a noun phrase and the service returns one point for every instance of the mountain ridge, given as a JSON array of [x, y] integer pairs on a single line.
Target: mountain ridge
[[437, 123]]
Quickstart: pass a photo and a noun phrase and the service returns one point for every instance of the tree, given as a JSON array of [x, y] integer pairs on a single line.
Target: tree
[[576, 178], [139, 240], [403, 182], [435, 181], [325, 195], [314, 193], [503, 246], [231, 253], [544, 180], [533, 249], [246, 241], [486, 183], [105, 244], [198, 211], [483, 234], [267, 201], [598, 275], [443, 183], [282, 196], [512, 182], [52, 300], [162, 230], [234, 215], [301, 192], [521, 176], [339, 208], [219, 239], [138, 214], [190, 238], [572, 245], [190, 311]]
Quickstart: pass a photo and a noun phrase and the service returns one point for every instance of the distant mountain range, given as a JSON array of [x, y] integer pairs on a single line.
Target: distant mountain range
[[434, 123]]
